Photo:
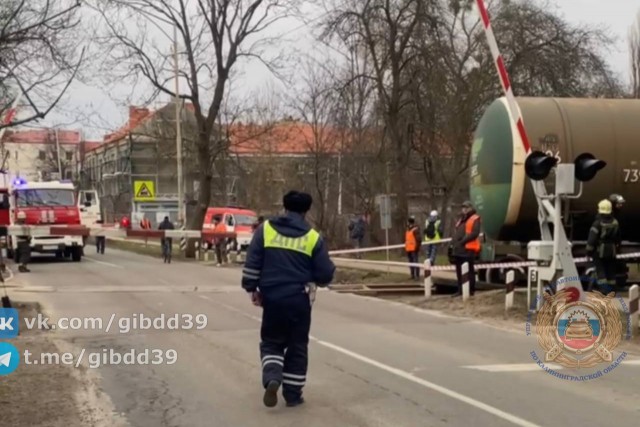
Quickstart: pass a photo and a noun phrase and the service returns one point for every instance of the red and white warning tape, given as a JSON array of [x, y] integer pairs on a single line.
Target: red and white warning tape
[[383, 248], [482, 266]]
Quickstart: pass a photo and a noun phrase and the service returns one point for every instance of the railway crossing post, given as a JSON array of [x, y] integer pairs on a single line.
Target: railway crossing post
[[428, 283], [510, 290], [555, 258], [553, 253], [465, 281]]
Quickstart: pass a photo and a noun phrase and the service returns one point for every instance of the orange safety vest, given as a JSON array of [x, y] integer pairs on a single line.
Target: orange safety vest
[[473, 245], [410, 243], [220, 229]]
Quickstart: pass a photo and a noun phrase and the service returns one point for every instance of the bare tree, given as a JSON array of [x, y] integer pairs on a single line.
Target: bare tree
[[39, 55], [386, 29], [215, 35], [315, 104], [634, 50]]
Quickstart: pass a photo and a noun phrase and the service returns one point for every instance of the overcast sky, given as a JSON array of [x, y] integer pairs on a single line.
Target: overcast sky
[[95, 112]]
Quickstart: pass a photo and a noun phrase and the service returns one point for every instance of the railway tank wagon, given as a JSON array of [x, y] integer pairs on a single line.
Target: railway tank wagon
[[562, 127]]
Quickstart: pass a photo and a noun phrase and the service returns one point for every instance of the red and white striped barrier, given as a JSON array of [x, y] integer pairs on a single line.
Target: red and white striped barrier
[[504, 76], [79, 230]]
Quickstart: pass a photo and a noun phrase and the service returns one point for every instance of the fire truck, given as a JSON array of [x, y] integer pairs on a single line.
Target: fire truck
[[44, 204]]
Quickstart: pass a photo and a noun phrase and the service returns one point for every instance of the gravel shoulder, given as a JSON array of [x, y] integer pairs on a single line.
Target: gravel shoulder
[[489, 307], [51, 395]]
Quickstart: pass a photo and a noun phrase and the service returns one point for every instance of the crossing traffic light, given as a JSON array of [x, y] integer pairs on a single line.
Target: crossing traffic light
[[538, 165], [587, 166]]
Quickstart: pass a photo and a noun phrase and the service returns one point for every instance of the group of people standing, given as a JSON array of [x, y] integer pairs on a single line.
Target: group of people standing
[[464, 246]]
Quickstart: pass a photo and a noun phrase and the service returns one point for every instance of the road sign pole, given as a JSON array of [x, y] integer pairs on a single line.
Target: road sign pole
[[385, 221], [386, 243]]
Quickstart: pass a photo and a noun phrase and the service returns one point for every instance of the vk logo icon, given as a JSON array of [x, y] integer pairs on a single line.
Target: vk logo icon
[[9, 323], [9, 358]]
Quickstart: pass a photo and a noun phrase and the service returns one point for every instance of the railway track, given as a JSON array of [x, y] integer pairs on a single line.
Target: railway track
[[441, 286]]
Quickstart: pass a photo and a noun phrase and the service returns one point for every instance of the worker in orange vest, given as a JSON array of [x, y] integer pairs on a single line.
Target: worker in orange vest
[[220, 243], [145, 224], [412, 243], [466, 245]]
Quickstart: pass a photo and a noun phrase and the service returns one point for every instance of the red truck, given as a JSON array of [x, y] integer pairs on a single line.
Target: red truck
[[44, 204]]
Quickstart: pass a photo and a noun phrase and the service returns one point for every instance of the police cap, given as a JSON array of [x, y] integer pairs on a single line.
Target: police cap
[[298, 202]]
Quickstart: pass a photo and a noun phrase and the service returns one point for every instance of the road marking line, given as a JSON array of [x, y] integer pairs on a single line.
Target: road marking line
[[512, 367], [523, 367], [103, 262], [403, 374]]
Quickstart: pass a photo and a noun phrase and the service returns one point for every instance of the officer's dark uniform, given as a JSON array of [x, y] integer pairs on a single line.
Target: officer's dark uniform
[[284, 256], [602, 246]]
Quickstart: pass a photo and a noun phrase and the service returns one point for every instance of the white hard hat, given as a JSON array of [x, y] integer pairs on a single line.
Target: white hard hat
[[433, 213], [604, 207]]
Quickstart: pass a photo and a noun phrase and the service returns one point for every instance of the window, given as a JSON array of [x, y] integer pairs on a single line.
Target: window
[[69, 155], [246, 219], [45, 197], [230, 221], [41, 155]]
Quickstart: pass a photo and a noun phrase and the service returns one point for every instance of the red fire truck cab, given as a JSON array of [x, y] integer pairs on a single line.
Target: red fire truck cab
[[236, 220], [44, 204]]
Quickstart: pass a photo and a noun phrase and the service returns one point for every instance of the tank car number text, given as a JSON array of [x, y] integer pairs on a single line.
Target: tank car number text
[[631, 175]]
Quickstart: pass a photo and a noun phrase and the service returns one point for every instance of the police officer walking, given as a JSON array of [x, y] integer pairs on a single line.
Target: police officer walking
[[286, 256], [602, 246]]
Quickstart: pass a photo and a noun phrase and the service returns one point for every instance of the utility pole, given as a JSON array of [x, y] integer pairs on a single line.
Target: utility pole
[[58, 156], [181, 212]]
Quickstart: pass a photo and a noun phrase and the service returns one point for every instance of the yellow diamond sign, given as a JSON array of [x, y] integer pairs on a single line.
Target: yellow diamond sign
[[144, 191]]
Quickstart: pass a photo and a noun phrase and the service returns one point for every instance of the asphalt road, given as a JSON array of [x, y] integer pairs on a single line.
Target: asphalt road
[[372, 362]]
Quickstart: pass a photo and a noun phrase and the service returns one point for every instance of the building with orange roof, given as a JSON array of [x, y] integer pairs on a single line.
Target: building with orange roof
[[37, 154], [255, 165], [144, 150], [134, 168]]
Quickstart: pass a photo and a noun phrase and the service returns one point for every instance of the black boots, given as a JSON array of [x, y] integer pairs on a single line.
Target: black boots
[[270, 398]]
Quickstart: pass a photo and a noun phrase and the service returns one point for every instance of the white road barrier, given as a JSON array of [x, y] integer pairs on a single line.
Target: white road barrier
[[464, 269], [510, 290], [428, 282]]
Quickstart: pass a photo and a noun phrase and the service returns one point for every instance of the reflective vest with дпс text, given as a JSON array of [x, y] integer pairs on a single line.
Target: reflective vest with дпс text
[[303, 244], [474, 245]]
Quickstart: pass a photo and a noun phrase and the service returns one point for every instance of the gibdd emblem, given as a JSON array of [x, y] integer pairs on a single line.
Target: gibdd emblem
[[580, 334]]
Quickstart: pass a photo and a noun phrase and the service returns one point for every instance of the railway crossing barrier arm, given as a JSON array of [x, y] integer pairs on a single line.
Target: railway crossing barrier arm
[[42, 230]]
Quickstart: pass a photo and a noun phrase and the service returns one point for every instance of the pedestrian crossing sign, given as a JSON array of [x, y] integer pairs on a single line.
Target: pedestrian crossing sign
[[143, 191]]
